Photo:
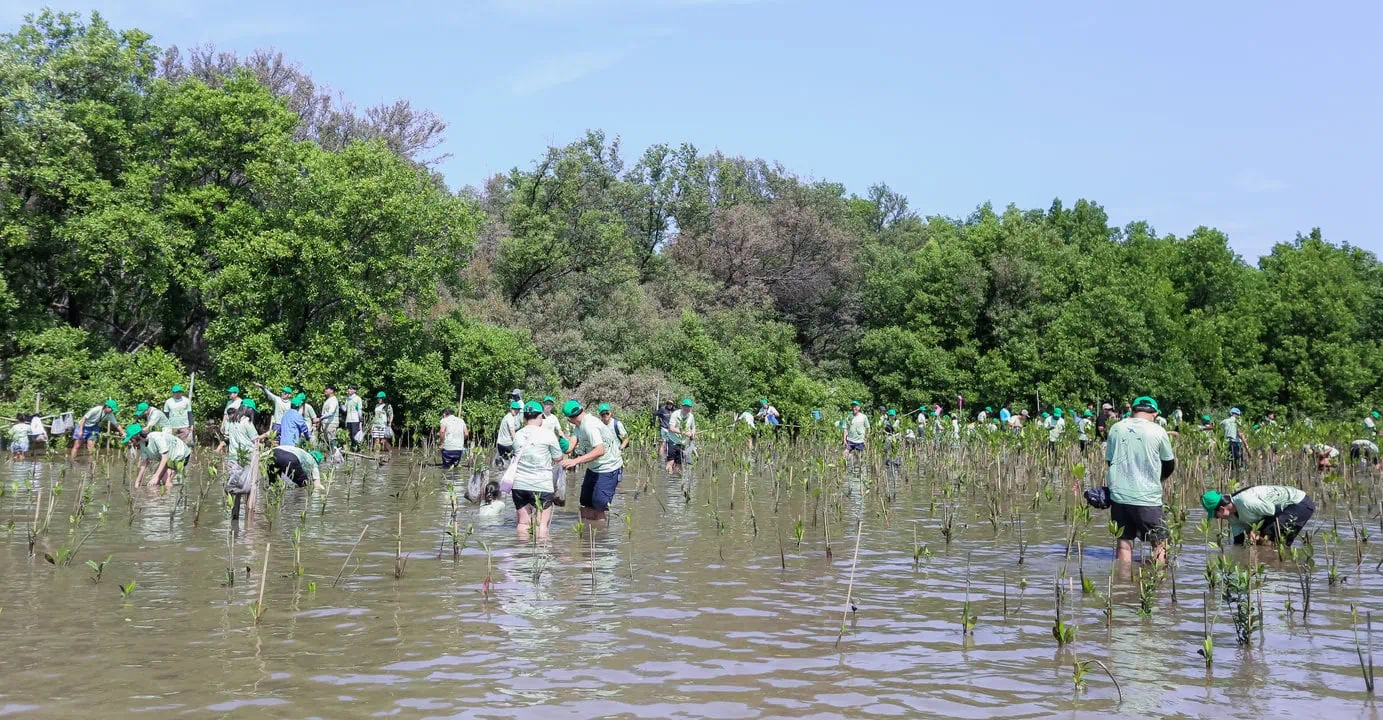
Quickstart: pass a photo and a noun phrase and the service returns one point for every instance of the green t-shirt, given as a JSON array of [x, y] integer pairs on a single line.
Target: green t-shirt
[[1231, 427], [1136, 450], [1055, 429], [353, 408], [19, 432], [383, 416], [508, 425], [156, 419], [179, 412], [535, 450], [305, 458], [225, 414], [856, 428], [592, 432], [161, 443], [682, 424], [240, 440], [1260, 502], [331, 411], [94, 416]]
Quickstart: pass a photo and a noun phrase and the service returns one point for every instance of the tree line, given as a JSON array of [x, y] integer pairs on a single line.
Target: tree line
[[166, 212]]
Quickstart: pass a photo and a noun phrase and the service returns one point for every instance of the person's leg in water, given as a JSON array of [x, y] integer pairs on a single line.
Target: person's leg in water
[[597, 490]]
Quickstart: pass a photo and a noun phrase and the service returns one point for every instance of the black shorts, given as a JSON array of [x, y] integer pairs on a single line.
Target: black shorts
[[674, 452], [502, 454], [528, 498], [288, 465], [450, 458], [1142, 522], [1286, 524]]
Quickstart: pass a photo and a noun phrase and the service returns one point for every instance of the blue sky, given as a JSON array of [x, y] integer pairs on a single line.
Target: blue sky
[[1261, 119]]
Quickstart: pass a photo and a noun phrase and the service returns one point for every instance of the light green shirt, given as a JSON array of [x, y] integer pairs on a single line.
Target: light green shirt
[[1058, 426], [856, 428], [240, 440], [280, 406], [508, 425], [1136, 450], [309, 414], [592, 432], [156, 419], [161, 443], [331, 411], [535, 449], [455, 428], [225, 419], [354, 407], [1231, 427], [681, 424], [1259, 503], [179, 412], [19, 432], [97, 414], [383, 416], [308, 462]]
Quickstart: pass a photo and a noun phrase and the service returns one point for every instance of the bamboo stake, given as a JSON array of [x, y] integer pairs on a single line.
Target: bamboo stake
[[850, 589], [348, 556]]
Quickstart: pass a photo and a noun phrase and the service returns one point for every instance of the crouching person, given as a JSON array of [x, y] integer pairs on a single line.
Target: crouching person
[[297, 465], [157, 445], [1277, 512]]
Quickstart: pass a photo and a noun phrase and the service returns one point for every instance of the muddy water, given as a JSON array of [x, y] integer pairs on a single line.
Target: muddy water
[[665, 616]]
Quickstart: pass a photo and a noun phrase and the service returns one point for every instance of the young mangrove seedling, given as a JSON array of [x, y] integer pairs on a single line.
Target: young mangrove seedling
[[127, 589], [97, 569], [1207, 649], [1366, 668]]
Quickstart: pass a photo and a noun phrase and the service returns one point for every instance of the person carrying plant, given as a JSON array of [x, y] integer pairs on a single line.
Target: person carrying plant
[[453, 432], [330, 420], [167, 448], [179, 411], [535, 450], [1371, 423], [681, 430], [241, 438], [621, 432], [595, 444], [382, 424], [355, 410], [857, 430], [297, 465], [1234, 436], [508, 425], [1261, 514], [1140, 458], [229, 414], [151, 417], [88, 427]]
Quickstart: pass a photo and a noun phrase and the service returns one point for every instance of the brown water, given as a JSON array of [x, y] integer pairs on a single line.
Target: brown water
[[652, 624]]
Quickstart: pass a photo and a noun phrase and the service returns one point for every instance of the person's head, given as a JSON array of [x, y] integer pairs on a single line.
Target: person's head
[[247, 410], [286, 392], [668, 404], [988, 409], [1375, 415], [379, 397], [892, 412], [533, 412], [855, 407], [1058, 412], [515, 407], [1205, 418], [1235, 412], [604, 409], [351, 390], [177, 391], [1272, 415], [233, 392], [112, 406], [763, 402], [330, 390], [318, 456], [135, 434], [141, 409], [571, 409], [548, 402], [1106, 406], [447, 413], [1217, 505], [1145, 407], [298, 401], [686, 406]]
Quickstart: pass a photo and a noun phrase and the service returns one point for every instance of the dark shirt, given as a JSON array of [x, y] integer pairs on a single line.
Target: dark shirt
[[664, 416]]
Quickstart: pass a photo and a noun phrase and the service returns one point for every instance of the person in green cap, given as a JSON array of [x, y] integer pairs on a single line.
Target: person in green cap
[[88, 428], [229, 415], [857, 430], [1140, 460], [508, 425], [452, 433], [616, 426], [1234, 438], [179, 411], [19, 437], [891, 427], [1371, 423], [595, 444], [1262, 513], [298, 465], [354, 408], [161, 445], [536, 449], [382, 424], [293, 427], [241, 440], [1083, 425], [1056, 425], [309, 412], [681, 430], [282, 403], [982, 416], [330, 420], [550, 420], [151, 417]]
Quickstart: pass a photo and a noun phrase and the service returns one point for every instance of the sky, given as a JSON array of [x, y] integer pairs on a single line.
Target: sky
[[1261, 119]]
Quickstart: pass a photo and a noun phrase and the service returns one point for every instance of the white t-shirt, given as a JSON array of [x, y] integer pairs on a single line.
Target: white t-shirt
[[535, 450], [456, 433], [178, 412]]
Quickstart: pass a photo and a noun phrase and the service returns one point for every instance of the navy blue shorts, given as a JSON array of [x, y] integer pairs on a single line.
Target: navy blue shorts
[[88, 432], [854, 446], [598, 488], [451, 457], [528, 498]]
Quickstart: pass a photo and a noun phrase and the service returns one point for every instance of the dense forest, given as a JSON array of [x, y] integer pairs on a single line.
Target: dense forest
[[165, 212]]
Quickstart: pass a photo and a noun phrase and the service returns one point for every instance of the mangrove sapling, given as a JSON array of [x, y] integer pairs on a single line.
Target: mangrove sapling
[[1082, 668], [400, 560], [127, 589], [297, 551], [1207, 649], [1063, 633], [1365, 668], [97, 569]]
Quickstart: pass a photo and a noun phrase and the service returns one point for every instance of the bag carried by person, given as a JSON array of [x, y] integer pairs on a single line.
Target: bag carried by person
[[1098, 498], [506, 481], [559, 486]]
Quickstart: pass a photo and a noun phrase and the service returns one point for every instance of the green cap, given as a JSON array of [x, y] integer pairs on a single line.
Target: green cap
[[988, 409], [380, 394], [854, 403], [286, 390], [763, 401], [1375, 414], [892, 412], [141, 409], [1211, 500], [686, 402], [114, 406], [1144, 401], [177, 388], [532, 406], [1046, 414], [233, 389], [131, 430], [564, 443], [1089, 414], [1057, 412], [516, 405], [249, 403], [604, 407], [297, 401], [300, 395], [549, 399], [317, 455], [571, 408], [1205, 418]]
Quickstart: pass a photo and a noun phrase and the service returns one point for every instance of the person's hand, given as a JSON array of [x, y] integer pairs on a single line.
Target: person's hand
[[568, 463]]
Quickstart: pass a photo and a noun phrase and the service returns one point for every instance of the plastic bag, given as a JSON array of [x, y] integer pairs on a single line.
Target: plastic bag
[[559, 486], [506, 481], [61, 424]]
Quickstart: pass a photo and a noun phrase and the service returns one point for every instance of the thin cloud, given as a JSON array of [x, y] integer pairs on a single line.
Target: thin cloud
[[555, 70], [1253, 181]]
